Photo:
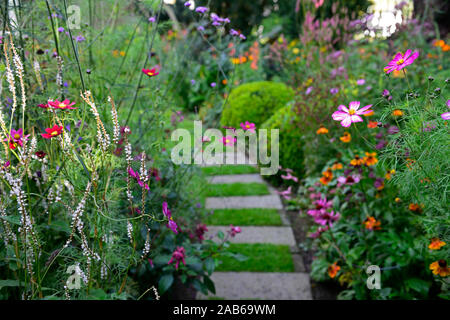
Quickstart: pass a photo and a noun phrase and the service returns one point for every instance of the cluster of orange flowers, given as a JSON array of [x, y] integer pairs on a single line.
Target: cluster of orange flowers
[[327, 176], [346, 138], [414, 207], [441, 43], [333, 270], [369, 160], [251, 55], [372, 224]]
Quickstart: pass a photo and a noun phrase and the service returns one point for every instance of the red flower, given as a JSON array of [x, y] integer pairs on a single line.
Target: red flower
[[150, 72], [40, 154], [43, 106], [52, 132], [61, 105]]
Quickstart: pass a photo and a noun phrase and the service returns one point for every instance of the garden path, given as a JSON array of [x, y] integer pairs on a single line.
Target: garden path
[[261, 239]]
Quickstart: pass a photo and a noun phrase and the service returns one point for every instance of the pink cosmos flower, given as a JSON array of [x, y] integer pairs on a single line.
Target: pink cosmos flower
[[445, 116], [289, 176], [401, 61], [286, 194], [151, 72], [17, 137], [178, 256], [349, 115], [248, 126], [228, 141], [64, 105]]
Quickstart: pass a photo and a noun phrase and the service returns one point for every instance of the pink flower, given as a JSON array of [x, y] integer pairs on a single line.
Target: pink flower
[[286, 194], [65, 105], [172, 226], [350, 180], [349, 115], [151, 72], [401, 61], [234, 230], [327, 218], [360, 82], [166, 210], [445, 116], [319, 231], [289, 176], [321, 205], [248, 126], [228, 141], [318, 3], [178, 256]]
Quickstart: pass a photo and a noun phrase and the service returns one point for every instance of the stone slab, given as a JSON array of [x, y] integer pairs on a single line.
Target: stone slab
[[269, 202], [249, 234], [236, 178]]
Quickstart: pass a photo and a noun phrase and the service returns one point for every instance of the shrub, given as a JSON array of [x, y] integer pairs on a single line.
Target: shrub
[[255, 102], [291, 142]]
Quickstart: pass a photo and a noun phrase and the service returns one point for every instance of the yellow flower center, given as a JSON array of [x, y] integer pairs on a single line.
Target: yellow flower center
[[247, 126], [227, 141], [351, 112], [399, 62], [54, 133], [62, 105], [17, 136]]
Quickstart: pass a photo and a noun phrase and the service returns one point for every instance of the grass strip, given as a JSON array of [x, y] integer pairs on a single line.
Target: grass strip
[[244, 217]]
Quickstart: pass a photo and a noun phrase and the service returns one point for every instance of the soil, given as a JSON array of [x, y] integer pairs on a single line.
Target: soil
[[320, 290]]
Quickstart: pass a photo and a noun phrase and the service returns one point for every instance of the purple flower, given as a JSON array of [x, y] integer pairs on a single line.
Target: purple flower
[[187, 4], [380, 145], [379, 183], [242, 36], [172, 226], [445, 116], [166, 210], [60, 29], [234, 33], [360, 82], [152, 19], [448, 103], [393, 130], [200, 28], [192, 81], [213, 84], [201, 9], [80, 39], [178, 256], [334, 91], [350, 180], [386, 93], [327, 218], [308, 91], [234, 230]]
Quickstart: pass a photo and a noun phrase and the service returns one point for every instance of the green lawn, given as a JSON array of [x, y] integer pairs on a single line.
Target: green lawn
[[244, 217], [261, 258], [237, 189], [230, 169]]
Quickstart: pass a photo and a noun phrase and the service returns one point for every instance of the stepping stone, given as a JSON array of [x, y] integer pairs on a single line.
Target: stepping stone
[[236, 178], [272, 235], [269, 202], [226, 158], [261, 285]]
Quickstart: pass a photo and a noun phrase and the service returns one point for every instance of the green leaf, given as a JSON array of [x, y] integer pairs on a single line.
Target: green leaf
[[210, 265], [9, 283], [220, 235], [165, 283], [418, 285], [209, 284]]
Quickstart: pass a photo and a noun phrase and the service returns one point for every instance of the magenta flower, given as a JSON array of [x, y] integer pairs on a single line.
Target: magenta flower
[[178, 256], [360, 82], [401, 61], [327, 218], [166, 210], [445, 116], [228, 141], [350, 180], [234, 230], [172, 226], [349, 115], [289, 176], [201, 9], [334, 91], [286, 194], [248, 126], [321, 205], [319, 231]]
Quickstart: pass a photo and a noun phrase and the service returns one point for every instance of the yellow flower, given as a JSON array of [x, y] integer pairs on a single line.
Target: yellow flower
[[357, 161], [398, 200], [296, 51], [389, 174], [370, 159], [346, 138], [440, 268]]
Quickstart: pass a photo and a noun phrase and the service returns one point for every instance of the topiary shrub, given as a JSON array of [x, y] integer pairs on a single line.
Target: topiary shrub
[[290, 138], [255, 102]]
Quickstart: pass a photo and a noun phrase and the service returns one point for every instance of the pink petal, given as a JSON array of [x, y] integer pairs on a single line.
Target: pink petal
[[354, 105], [407, 54], [363, 110], [343, 108], [339, 115], [347, 122], [356, 118]]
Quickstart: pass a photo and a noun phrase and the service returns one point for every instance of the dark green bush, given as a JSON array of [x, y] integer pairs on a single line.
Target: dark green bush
[[291, 138], [255, 102]]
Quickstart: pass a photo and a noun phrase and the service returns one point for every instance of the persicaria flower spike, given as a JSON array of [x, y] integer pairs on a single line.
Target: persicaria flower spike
[[401, 61], [351, 114]]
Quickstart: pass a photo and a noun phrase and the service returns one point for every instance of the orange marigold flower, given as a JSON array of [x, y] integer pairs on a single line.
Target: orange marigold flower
[[397, 113], [398, 200], [346, 138], [439, 43], [333, 270], [357, 161], [436, 244], [370, 159], [327, 176], [322, 130], [440, 268], [372, 224], [224, 82], [414, 207], [372, 124], [337, 166], [446, 48]]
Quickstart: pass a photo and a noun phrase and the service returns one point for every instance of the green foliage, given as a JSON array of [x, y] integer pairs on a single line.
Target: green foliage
[[290, 138], [224, 170], [237, 189], [255, 102]]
